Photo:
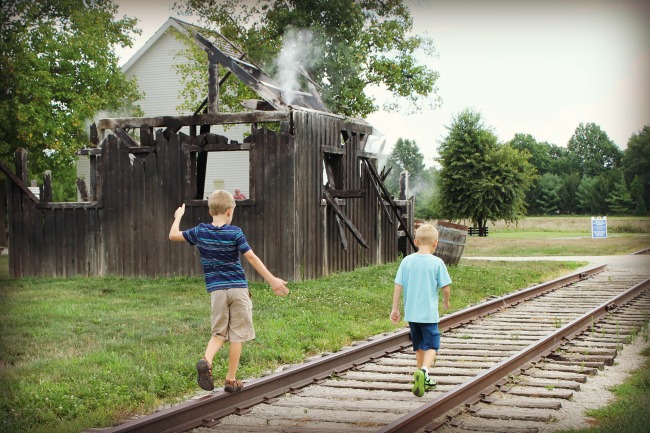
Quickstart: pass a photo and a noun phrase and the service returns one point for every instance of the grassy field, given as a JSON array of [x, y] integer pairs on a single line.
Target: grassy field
[[86, 352], [560, 236]]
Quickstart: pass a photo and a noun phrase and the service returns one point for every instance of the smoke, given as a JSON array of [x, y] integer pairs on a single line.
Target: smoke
[[298, 49]]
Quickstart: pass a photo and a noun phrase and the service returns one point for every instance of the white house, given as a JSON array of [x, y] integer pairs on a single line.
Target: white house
[[153, 68]]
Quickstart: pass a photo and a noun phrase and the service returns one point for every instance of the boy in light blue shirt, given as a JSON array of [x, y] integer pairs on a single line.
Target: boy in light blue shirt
[[422, 276]]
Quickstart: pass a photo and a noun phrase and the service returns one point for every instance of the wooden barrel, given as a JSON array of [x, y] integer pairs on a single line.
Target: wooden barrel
[[451, 242]]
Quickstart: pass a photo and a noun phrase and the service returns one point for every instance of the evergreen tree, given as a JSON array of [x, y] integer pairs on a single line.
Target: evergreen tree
[[636, 161], [548, 197], [405, 155], [636, 191], [619, 200]]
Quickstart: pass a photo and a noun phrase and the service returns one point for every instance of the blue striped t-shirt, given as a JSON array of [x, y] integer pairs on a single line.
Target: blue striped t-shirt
[[219, 248]]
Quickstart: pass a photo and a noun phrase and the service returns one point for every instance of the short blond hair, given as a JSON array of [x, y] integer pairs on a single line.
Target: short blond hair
[[220, 201], [426, 234]]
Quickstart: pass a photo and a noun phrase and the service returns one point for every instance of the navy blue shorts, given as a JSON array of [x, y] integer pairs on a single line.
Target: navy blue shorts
[[425, 336]]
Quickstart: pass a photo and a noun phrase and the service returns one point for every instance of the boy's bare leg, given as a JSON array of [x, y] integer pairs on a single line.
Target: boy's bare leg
[[233, 360], [213, 347], [425, 358]]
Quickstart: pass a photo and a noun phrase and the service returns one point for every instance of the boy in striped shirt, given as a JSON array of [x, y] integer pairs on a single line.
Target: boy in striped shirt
[[219, 245]]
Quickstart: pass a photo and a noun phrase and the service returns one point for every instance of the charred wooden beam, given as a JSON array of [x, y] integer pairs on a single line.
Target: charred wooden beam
[[213, 88], [390, 200], [18, 182], [339, 224], [341, 193], [256, 104], [216, 147], [332, 202], [379, 192], [47, 186], [127, 140], [203, 119], [94, 136], [83, 191], [333, 149]]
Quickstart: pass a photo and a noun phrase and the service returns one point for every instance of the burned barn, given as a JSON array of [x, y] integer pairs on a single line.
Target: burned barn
[[317, 203]]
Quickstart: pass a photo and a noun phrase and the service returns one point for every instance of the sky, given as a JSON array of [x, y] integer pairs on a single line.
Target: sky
[[527, 66]]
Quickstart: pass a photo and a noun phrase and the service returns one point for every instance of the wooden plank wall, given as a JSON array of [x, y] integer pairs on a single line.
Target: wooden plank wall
[[317, 233], [125, 231]]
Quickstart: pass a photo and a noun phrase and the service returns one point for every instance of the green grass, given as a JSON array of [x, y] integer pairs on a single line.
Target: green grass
[[628, 413], [560, 236], [87, 352]]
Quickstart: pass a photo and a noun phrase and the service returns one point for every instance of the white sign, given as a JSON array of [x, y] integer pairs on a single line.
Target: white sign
[[599, 227]]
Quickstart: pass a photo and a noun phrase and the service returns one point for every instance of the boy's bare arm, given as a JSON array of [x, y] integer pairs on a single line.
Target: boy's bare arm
[[397, 294], [175, 234], [277, 285], [446, 292]]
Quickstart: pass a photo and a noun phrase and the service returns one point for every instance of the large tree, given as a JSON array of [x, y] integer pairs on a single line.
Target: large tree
[[344, 45], [481, 180], [591, 150], [58, 70]]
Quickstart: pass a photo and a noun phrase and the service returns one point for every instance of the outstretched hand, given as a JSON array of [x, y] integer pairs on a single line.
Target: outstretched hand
[[279, 287]]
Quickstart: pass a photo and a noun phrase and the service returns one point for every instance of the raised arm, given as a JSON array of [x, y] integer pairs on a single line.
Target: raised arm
[[277, 285], [175, 234]]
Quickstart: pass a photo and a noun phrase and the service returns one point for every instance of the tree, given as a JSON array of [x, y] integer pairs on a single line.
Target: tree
[[548, 201], [58, 70], [480, 179], [354, 45], [620, 201], [636, 191], [540, 156], [567, 193], [591, 150], [592, 195], [636, 161], [405, 155]]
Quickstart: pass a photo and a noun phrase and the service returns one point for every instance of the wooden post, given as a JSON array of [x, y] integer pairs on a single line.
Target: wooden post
[[213, 88], [47, 186], [21, 165], [83, 191]]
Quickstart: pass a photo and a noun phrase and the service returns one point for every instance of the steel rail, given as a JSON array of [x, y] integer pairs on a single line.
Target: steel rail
[[207, 410], [471, 391]]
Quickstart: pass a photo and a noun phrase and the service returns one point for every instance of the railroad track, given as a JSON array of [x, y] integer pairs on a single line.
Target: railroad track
[[506, 364]]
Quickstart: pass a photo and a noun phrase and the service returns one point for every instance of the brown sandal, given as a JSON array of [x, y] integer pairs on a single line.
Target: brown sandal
[[233, 385], [204, 375]]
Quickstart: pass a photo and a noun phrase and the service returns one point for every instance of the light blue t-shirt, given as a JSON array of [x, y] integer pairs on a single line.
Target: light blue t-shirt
[[422, 276]]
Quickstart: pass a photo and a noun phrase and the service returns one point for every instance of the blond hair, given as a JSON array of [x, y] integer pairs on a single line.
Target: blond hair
[[220, 201], [426, 234]]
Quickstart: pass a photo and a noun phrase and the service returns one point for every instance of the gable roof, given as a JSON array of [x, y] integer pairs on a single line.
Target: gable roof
[[231, 57], [188, 29]]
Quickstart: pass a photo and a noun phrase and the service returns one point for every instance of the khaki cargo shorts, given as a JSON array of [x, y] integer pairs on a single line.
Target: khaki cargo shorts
[[232, 315]]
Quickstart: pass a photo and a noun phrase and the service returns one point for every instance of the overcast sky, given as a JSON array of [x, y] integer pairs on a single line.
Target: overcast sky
[[535, 67]]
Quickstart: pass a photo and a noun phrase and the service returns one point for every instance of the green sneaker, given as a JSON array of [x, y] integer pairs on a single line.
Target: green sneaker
[[418, 383], [429, 384]]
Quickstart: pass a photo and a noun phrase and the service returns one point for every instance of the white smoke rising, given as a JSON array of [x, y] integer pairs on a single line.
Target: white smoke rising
[[298, 49]]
